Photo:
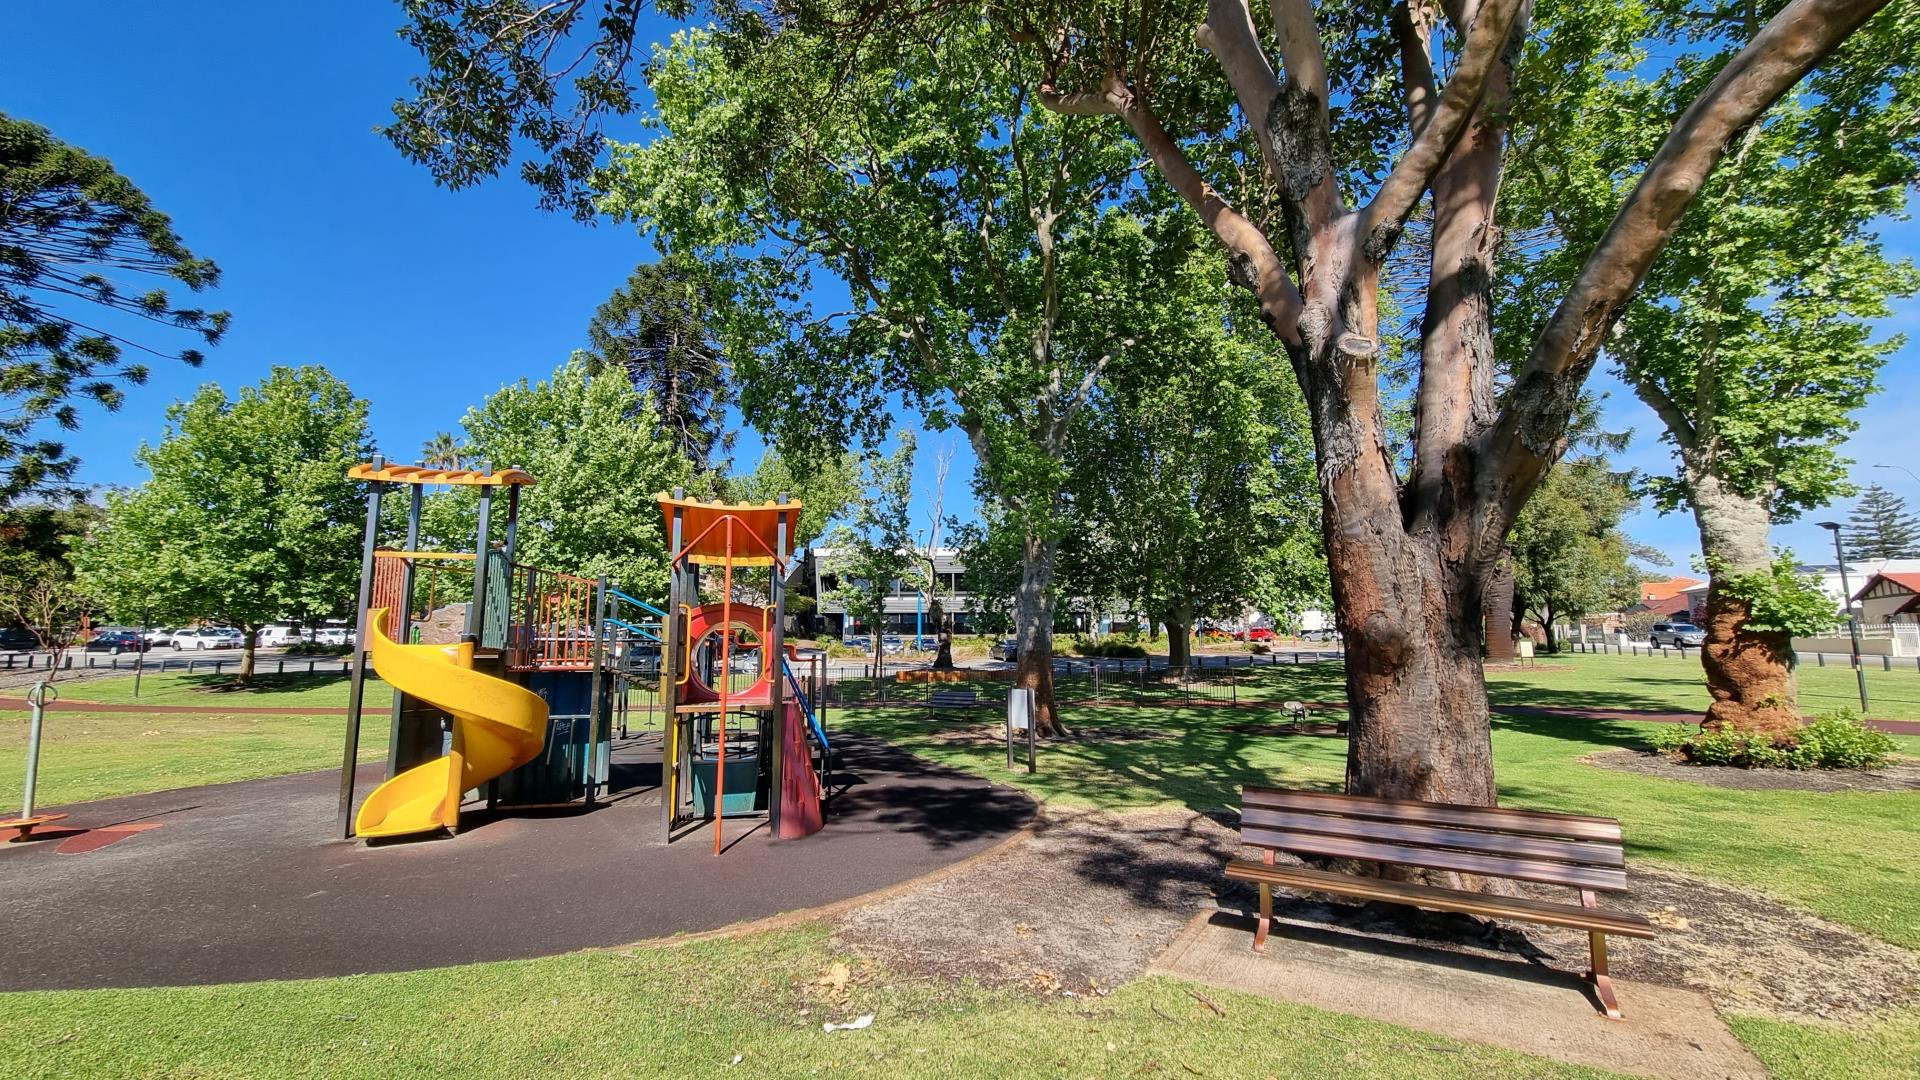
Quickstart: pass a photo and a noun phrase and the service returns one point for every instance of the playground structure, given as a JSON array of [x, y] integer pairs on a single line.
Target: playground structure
[[753, 750], [520, 695]]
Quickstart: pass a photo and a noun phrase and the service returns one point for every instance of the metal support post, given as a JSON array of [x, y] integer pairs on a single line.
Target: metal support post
[[350, 753]]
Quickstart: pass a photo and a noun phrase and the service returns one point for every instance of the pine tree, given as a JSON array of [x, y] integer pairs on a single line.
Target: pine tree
[[1880, 527], [656, 329]]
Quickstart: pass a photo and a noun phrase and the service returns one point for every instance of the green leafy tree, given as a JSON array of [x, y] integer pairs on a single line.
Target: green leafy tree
[[1570, 558], [598, 455], [38, 588], [1881, 527], [826, 486], [1751, 336], [994, 270], [74, 235], [656, 329], [1193, 479], [248, 516], [877, 548]]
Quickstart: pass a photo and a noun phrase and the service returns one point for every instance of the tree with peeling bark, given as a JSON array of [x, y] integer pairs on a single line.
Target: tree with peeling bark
[[1309, 215], [990, 248], [1751, 337]]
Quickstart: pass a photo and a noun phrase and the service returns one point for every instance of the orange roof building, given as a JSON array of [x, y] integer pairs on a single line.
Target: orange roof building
[[1652, 592]]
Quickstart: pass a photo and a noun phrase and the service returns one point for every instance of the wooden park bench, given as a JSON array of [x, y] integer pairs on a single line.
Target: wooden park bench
[[1582, 853], [952, 701]]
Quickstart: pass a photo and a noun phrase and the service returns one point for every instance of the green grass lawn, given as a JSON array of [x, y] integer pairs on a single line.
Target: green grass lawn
[[694, 1011], [87, 756], [1653, 682]]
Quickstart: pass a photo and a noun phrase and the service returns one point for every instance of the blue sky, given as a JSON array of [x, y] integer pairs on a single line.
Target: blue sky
[[252, 125]]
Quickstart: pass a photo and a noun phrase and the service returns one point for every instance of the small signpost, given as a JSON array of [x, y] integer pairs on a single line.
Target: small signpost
[[1020, 726]]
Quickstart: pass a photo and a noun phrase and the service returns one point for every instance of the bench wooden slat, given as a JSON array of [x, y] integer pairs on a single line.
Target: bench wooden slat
[[1528, 822], [1599, 879], [1426, 896], [1583, 852]]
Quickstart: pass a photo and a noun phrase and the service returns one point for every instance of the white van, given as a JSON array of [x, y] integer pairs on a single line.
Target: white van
[[279, 636]]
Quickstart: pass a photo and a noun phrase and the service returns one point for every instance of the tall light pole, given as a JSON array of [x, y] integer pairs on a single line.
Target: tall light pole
[[1902, 468], [1853, 624]]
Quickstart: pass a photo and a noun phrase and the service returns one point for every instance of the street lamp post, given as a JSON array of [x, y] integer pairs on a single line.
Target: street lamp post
[[1853, 623], [1902, 468]]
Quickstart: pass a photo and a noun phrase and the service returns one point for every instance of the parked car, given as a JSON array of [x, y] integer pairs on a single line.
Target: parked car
[[18, 639], [160, 635], [1680, 635], [1007, 649], [893, 643], [333, 635], [117, 642], [279, 636], [208, 637], [1255, 633], [1325, 633]]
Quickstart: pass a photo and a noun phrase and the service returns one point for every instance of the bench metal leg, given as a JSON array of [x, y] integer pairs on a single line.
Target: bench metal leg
[[1602, 984], [1266, 919]]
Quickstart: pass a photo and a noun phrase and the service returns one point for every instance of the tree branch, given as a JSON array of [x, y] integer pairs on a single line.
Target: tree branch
[[1657, 399], [1252, 261], [1299, 39], [1228, 34], [1484, 41], [1533, 425], [1416, 69]]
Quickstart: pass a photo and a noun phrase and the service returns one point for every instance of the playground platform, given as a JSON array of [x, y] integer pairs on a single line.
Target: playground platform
[[248, 881]]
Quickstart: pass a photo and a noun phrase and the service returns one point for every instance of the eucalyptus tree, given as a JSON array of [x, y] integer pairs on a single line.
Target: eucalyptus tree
[[1751, 338], [991, 258], [78, 241], [1368, 109]]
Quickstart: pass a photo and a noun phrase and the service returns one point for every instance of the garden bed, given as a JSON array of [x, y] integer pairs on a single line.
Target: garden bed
[[1902, 775]]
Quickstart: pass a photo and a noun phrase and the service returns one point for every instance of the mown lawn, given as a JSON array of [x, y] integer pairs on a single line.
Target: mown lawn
[[85, 756], [749, 1007]]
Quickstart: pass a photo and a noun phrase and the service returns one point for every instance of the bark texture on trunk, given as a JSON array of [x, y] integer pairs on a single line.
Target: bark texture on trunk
[[943, 633], [1498, 605], [1179, 620], [246, 652], [1033, 630], [1749, 672]]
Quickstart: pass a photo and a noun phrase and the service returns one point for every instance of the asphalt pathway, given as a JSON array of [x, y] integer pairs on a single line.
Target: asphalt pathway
[[247, 881]]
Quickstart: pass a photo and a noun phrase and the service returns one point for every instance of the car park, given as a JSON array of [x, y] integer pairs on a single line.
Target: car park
[[208, 637], [1007, 649], [160, 635], [1254, 633], [1680, 635], [117, 642], [18, 639], [333, 635]]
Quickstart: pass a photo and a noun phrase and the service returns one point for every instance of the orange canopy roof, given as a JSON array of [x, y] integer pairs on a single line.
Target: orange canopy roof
[[421, 474], [755, 529]]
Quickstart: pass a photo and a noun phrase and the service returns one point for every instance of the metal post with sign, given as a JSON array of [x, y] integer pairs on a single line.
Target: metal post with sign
[[1020, 722]]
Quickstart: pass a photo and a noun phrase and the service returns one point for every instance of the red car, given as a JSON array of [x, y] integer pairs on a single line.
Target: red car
[[1258, 633]]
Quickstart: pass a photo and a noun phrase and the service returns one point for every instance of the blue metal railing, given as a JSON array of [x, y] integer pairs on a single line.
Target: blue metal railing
[[806, 706]]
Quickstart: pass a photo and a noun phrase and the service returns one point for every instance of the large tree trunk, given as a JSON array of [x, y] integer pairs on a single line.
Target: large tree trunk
[[1033, 630], [1749, 672], [246, 652], [943, 633], [1179, 637]]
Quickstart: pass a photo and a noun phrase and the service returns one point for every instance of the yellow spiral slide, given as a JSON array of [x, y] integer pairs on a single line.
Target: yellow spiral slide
[[498, 726]]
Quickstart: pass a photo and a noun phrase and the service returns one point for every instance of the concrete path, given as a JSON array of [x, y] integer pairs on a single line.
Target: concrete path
[[1667, 1033], [248, 881]]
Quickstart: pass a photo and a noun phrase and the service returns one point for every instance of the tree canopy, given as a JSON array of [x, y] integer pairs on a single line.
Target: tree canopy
[[598, 455], [75, 237], [1881, 527], [247, 515]]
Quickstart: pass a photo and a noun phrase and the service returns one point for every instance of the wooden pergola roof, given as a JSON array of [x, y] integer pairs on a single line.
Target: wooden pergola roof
[[421, 474]]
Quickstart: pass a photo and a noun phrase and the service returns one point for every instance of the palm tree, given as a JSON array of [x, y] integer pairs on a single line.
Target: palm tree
[[441, 452]]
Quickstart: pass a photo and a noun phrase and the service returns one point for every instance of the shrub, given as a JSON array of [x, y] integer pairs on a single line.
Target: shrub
[[1111, 648], [314, 648], [1837, 740]]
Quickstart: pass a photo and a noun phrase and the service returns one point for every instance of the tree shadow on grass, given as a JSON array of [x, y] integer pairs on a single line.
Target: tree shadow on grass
[[262, 682], [1613, 733]]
